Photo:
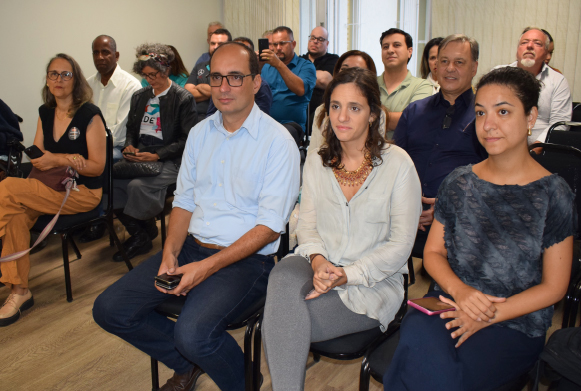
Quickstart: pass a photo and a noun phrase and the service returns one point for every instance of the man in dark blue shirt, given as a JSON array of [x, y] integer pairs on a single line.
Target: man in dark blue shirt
[[438, 132]]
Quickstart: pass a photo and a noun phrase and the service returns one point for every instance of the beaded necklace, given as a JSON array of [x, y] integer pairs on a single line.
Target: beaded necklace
[[354, 178]]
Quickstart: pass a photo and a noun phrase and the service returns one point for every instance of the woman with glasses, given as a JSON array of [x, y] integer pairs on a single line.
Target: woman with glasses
[[358, 220], [500, 251], [179, 74], [160, 117], [70, 132], [350, 59]]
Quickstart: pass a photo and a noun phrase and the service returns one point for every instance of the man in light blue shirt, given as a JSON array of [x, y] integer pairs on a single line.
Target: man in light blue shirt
[[291, 79], [237, 185]]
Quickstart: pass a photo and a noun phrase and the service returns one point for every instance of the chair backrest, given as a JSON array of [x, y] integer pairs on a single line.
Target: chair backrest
[[565, 161], [108, 171], [576, 117], [283, 247], [571, 138]]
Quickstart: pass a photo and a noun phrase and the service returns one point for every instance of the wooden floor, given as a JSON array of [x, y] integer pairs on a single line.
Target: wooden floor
[[57, 346]]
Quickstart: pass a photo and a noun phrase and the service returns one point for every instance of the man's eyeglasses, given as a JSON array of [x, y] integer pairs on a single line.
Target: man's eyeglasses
[[448, 117], [281, 43], [312, 38], [150, 76], [65, 76], [233, 80]]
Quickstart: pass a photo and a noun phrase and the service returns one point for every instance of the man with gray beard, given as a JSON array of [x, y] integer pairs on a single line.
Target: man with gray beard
[[555, 99]]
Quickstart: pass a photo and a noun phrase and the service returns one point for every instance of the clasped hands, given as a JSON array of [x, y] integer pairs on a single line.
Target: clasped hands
[[139, 156], [326, 277], [427, 216], [474, 311]]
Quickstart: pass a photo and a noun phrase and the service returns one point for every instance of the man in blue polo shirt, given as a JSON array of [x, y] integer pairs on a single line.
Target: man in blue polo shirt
[[438, 132], [291, 79]]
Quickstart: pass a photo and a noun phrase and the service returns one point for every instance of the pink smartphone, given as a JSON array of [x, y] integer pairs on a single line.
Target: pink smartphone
[[430, 305]]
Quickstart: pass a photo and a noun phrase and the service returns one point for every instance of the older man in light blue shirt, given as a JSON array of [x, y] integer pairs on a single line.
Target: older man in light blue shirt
[[237, 185]]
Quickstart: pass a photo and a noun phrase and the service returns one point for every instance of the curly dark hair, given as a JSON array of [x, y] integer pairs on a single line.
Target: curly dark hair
[[162, 51], [82, 92], [366, 82], [524, 85]]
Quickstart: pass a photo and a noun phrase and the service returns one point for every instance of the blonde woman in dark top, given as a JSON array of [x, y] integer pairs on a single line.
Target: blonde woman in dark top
[[70, 132], [500, 251]]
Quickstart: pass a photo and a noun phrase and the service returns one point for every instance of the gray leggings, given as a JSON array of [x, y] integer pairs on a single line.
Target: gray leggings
[[291, 323]]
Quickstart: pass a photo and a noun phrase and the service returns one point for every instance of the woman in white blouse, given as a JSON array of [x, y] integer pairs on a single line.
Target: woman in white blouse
[[360, 206]]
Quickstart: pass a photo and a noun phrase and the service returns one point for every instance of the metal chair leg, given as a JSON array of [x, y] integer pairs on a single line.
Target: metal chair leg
[[64, 241], [364, 375], [257, 354], [74, 246], [248, 375], [154, 375], [119, 245], [163, 228]]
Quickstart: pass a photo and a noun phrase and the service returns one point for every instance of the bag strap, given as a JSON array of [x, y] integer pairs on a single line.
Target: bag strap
[[69, 184]]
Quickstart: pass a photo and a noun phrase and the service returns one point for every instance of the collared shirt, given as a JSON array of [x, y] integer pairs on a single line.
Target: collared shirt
[[410, 90], [205, 57], [324, 63], [114, 100], [433, 82], [371, 236], [555, 104], [286, 105], [199, 75], [232, 182], [263, 99], [436, 152]]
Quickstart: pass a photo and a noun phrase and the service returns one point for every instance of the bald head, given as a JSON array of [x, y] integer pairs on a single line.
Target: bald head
[[318, 42], [106, 39]]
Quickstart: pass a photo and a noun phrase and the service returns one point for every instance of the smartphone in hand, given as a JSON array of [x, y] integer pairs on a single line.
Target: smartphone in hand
[[430, 305], [262, 44], [168, 282], [33, 152]]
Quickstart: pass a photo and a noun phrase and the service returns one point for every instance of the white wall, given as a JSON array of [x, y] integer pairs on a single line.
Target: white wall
[[33, 31], [498, 24]]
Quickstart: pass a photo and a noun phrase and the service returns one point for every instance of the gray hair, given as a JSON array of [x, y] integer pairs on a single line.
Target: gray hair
[[216, 23], [529, 28], [474, 50], [160, 57]]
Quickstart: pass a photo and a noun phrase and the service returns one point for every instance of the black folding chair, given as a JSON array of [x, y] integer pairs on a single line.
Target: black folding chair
[[67, 224], [172, 308], [565, 161], [571, 137]]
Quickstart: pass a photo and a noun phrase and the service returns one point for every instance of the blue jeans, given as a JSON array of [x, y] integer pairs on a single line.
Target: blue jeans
[[199, 336]]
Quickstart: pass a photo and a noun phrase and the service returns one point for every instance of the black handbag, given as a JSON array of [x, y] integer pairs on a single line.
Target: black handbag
[[125, 169]]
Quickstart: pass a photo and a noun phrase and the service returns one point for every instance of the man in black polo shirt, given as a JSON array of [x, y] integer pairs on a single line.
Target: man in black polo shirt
[[324, 63]]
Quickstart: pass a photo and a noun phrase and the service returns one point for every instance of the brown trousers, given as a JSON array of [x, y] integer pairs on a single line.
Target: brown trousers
[[22, 201]]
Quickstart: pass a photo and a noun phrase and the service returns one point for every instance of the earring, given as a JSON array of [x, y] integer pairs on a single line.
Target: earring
[[530, 133]]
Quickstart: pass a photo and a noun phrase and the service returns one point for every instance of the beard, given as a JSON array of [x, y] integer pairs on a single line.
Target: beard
[[527, 62]]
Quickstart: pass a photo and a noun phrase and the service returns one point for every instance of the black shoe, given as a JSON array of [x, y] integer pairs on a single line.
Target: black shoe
[[136, 245], [93, 232], [150, 227]]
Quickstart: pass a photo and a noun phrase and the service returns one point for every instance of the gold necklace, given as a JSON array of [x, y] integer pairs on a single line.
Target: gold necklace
[[354, 178]]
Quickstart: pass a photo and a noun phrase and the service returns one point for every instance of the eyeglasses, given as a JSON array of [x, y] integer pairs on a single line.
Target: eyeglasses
[[150, 76], [281, 43], [233, 80], [448, 117], [312, 38], [65, 76]]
